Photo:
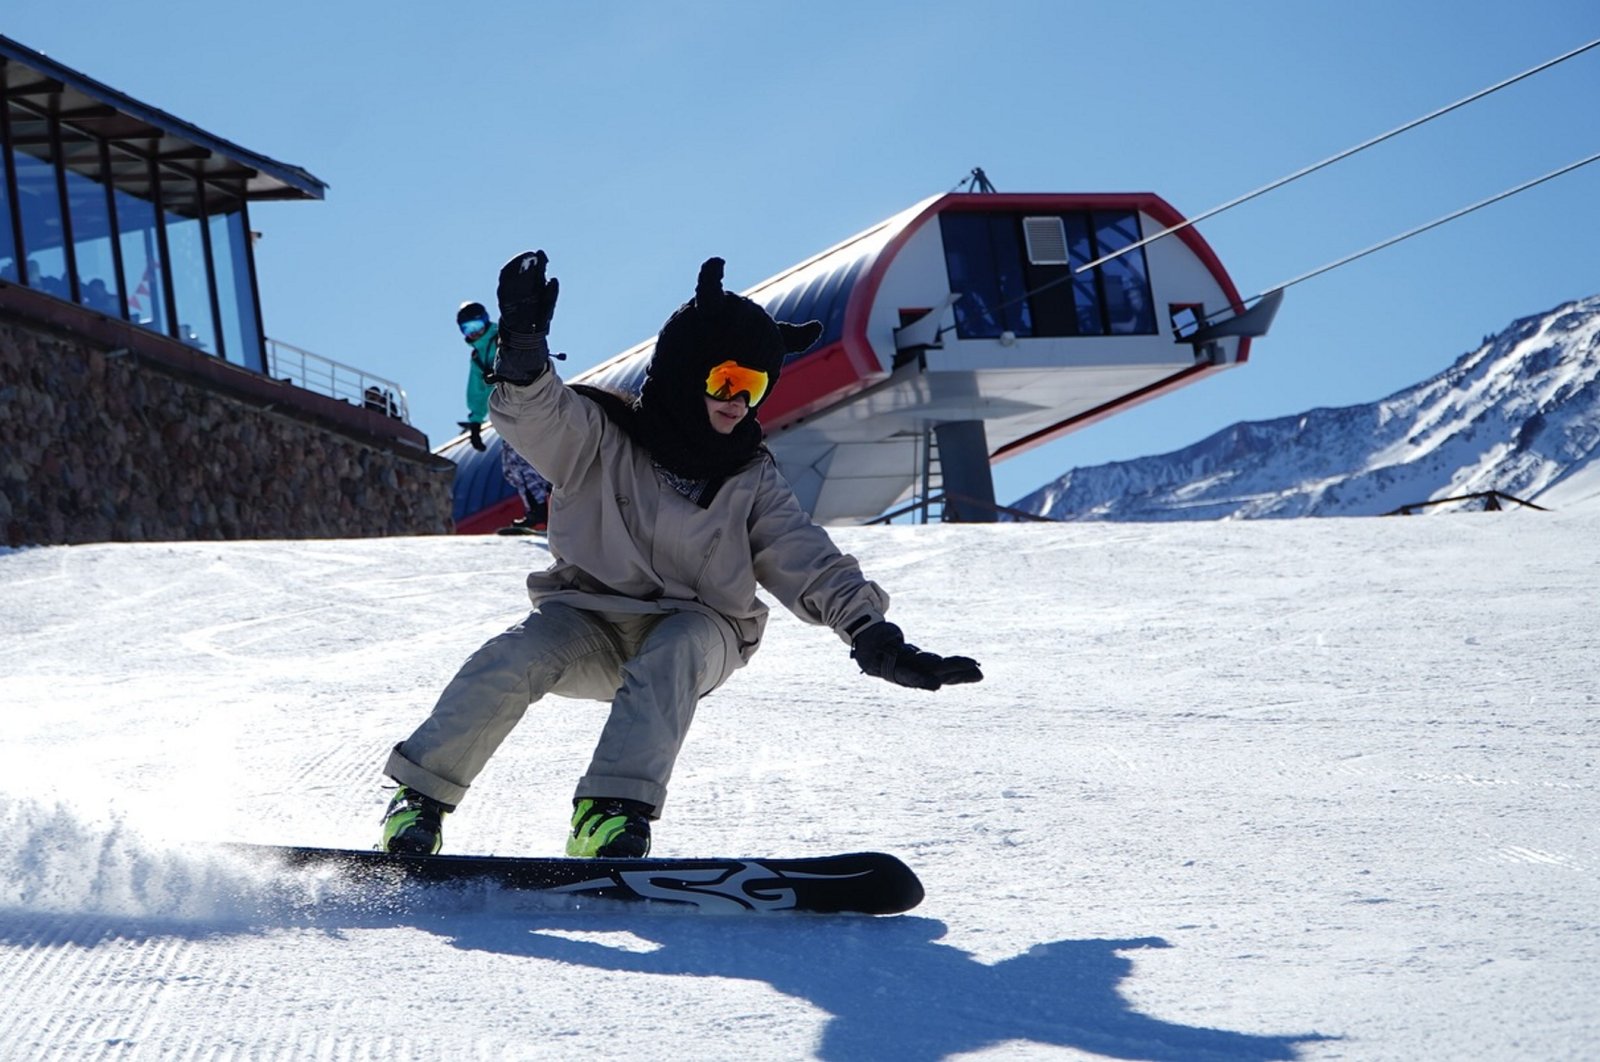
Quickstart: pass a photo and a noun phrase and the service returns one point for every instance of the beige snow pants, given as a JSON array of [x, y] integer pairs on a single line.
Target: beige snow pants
[[653, 668]]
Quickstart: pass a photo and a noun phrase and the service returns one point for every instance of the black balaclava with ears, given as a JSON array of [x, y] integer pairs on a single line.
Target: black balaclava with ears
[[715, 326]]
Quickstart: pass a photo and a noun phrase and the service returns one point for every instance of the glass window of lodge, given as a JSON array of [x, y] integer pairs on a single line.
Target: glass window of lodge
[[100, 223]]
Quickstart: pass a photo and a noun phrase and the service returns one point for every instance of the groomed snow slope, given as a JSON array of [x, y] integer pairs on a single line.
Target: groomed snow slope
[[1307, 789]]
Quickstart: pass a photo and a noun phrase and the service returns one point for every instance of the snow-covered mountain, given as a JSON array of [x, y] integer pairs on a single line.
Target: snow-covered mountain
[[1520, 415]]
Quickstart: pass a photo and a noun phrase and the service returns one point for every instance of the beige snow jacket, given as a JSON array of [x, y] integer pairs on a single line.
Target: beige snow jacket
[[624, 541]]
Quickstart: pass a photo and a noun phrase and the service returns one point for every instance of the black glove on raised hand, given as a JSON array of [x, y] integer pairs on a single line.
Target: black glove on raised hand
[[527, 302], [474, 433], [881, 650]]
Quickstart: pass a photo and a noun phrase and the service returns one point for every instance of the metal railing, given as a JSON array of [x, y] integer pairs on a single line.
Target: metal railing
[[1491, 499], [312, 371]]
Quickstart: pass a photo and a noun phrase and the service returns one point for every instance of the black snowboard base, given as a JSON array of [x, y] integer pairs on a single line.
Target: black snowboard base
[[858, 882]]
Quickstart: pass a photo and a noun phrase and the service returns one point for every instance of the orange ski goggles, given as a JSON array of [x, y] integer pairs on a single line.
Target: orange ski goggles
[[730, 380]]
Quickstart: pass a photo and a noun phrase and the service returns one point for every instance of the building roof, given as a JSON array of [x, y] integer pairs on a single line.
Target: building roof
[[105, 112], [851, 420]]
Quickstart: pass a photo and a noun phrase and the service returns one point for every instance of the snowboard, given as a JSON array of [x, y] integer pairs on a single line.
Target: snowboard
[[857, 882]]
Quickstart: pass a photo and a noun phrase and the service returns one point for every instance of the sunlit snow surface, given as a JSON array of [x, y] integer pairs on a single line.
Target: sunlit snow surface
[[1250, 790]]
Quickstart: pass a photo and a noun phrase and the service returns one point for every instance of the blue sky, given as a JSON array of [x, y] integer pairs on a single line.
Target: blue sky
[[631, 140]]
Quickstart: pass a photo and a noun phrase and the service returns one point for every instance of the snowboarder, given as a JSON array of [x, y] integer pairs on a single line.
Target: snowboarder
[[669, 514], [480, 335]]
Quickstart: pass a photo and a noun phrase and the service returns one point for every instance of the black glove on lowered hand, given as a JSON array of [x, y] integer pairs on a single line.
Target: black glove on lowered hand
[[474, 434], [881, 650], [527, 302]]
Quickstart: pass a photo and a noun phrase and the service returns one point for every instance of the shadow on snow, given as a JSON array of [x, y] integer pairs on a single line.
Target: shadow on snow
[[892, 989]]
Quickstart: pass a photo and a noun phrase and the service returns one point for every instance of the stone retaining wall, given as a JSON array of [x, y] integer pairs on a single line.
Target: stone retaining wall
[[111, 444]]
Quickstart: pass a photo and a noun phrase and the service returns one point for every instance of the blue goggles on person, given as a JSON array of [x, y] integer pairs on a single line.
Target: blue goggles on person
[[473, 327]]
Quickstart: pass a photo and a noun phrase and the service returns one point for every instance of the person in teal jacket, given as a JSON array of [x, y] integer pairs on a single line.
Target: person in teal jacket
[[482, 336]]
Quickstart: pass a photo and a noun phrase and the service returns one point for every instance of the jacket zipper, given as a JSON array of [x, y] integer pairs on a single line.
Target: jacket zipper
[[705, 564]]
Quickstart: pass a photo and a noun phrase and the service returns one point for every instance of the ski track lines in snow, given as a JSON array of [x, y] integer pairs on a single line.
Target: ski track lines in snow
[[1311, 789]]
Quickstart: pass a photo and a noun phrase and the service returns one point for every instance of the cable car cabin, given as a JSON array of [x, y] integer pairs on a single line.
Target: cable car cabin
[[957, 333]]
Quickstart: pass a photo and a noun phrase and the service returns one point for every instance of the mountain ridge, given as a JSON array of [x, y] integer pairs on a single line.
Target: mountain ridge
[[1516, 415]]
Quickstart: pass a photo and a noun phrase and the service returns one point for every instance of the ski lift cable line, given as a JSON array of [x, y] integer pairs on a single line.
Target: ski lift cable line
[[1330, 160], [1214, 211], [1420, 229]]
